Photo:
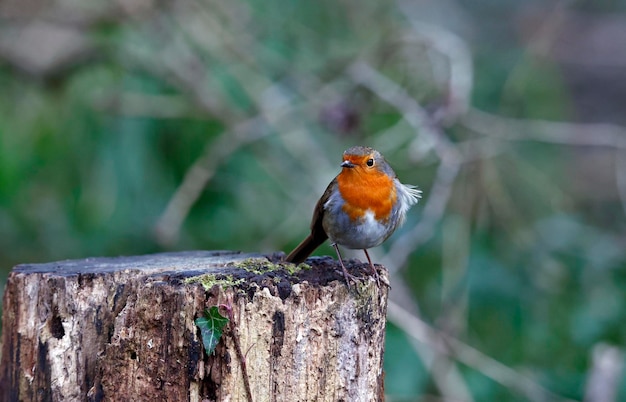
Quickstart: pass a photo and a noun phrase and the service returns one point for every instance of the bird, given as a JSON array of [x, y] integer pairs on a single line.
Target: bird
[[361, 207]]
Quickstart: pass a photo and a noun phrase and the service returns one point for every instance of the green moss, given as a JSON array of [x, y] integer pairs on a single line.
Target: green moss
[[209, 280], [261, 266], [293, 269], [257, 266]]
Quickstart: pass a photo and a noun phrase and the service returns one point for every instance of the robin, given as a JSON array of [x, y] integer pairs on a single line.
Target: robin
[[360, 208]]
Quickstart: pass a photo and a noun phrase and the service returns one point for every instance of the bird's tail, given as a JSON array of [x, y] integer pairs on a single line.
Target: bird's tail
[[304, 249]]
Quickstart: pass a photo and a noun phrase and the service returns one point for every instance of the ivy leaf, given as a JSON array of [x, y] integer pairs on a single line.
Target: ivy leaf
[[211, 328]]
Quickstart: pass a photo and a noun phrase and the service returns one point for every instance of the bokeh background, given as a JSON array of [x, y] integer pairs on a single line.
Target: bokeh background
[[138, 126]]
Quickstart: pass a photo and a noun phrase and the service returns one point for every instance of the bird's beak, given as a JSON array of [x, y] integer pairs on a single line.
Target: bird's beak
[[347, 164]]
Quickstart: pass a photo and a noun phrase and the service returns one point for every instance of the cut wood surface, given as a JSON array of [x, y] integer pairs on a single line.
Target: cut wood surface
[[122, 329]]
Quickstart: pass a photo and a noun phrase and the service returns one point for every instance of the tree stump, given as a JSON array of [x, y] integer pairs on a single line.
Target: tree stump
[[122, 329]]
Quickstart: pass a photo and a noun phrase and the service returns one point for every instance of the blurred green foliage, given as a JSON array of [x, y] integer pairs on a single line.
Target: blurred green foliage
[[530, 254]]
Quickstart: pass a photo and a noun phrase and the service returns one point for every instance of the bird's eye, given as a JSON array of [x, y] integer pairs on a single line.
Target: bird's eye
[[370, 162]]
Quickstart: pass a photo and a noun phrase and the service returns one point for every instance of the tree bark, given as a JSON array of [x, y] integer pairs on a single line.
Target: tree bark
[[123, 329]]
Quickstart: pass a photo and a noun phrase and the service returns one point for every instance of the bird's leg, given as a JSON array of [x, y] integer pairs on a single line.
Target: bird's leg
[[346, 275], [374, 271]]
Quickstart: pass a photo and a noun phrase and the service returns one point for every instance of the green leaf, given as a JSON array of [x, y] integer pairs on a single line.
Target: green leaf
[[211, 328]]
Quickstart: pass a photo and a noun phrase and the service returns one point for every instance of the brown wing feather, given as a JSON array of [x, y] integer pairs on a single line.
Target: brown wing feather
[[318, 235]]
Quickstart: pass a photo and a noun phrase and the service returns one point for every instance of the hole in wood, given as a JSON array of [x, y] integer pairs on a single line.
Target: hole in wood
[[56, 325]]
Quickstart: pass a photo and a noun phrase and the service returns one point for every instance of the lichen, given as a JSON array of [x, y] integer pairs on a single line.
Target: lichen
[[365, 290]]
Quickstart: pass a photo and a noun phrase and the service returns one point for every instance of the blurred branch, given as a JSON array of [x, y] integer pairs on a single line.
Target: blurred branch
[[365, 75], [460, 81], [199, 174], [444, 372], [449, 346], [605, 374], [605, 135], [432, 214], [556, 132]]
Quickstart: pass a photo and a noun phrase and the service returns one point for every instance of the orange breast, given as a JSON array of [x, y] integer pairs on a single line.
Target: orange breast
[[366, 190]]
